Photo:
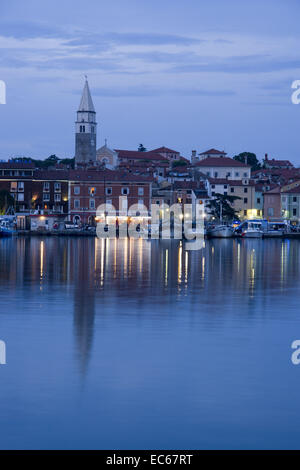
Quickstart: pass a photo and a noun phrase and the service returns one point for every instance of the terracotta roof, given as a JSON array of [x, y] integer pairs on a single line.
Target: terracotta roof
[[230, 182], [221, 161], [213, 152], [135, 155], [280, 162], [108, 175], [186, 185], [276, 189], [164, 150], [295, 190]]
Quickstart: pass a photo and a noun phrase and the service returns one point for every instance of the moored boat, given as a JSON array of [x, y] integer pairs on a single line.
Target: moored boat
[[253, 230], [219, 231]]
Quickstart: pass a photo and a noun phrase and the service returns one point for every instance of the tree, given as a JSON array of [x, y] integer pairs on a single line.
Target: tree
[[178, 163], [6, 201], [228, 212], [142, 148], [249, 158]]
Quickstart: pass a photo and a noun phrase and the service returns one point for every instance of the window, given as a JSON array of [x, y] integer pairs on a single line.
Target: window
[[258, 212], [208, 173], [237, 173], [108, 191], [294, 212], [258, 200], [245, 190], [76, 204], [245, 200], [76, 189], [141, 202], [245, 175], [82, 129], [46, 197], [93, 129], [21, 197], [294, 198], [225, 186], [141, 191], [46, 187], [225, 193], [125, 191], [157, 202], [232, 190], [270, 211], [92, 203], [228, 174], [13, 186], [92, 191], [213, 186], [109, 201], [21, 186], [57, 197], [216, 174], [245, 212], [57, 187]]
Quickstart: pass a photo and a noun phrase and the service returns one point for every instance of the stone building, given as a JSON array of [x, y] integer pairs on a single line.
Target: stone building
[[85, 130]]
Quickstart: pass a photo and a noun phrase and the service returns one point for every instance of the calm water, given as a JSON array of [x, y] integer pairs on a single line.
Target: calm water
[[139, 344]]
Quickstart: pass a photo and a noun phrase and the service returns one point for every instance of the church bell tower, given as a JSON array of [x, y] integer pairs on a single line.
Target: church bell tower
[[86, 129]]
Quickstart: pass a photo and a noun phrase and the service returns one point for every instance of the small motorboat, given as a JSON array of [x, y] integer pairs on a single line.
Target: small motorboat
[[7, 227], [253, 230], [219, 231]]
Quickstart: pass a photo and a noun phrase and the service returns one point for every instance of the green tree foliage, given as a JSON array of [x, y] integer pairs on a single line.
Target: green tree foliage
[[228, 212], [142, 148], [6, 201], [249, 158], [178, 163], [48, 162]]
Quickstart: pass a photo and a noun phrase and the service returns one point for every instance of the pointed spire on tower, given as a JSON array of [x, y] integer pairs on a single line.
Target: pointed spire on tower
[[86, 103]]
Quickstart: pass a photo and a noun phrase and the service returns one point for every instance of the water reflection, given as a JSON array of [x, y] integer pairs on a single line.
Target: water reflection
[[100, 273]]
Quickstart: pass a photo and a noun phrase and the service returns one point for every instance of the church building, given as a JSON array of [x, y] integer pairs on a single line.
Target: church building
[[86, 129]]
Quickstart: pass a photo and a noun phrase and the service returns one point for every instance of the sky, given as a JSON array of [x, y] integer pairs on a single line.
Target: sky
[[189, 75]]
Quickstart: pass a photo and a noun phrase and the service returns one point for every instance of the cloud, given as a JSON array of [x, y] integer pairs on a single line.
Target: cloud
[[145, 91], [29, 30], [137, 39], [239, 64]]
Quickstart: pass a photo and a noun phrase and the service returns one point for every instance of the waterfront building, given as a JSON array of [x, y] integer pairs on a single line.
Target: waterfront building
[[290, 202], [272, 203], [243, 189], [89, 189]]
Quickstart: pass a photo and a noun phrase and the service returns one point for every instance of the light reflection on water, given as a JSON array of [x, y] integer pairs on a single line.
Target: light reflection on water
[[143, 344]]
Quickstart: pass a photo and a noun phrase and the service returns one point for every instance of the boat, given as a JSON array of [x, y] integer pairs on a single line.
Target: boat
[[253, 230], [276, 229], [6, 229], [219, 231]]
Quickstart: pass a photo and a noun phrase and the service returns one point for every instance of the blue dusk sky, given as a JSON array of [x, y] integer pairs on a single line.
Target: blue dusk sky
[[187, 74]]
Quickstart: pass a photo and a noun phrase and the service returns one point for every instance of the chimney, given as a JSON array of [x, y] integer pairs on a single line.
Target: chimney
[[266, 156]]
